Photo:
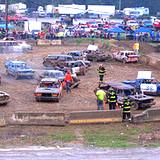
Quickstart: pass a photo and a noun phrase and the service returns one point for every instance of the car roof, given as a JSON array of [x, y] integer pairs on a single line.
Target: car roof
[[53, 71], [59, 55], [120, 85], [49, 80], [127, 51], [74, 51], [17, 62]]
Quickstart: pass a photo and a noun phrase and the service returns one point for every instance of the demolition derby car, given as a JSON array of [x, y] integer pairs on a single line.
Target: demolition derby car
[[56, 60], [49, 89], [145, 83], [126, 56], [18, 69], [77, 55], [4, 98], [94, 54], [139, 101], [60, 76]]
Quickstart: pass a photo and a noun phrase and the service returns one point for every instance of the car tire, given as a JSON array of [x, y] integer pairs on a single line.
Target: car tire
[[16, 76], [124, 61], [136, 105]]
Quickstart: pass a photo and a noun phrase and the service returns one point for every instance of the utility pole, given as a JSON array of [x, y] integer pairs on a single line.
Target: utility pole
[[6, 15]]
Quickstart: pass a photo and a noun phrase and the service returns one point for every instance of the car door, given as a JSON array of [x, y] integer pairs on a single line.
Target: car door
[[11, 68], [75, 68]]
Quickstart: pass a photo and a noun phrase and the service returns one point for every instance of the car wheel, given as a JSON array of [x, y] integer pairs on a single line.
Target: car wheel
[[57, 99], [95, 59], [136, 106], [37, 100], [124, 61], [16, 76]]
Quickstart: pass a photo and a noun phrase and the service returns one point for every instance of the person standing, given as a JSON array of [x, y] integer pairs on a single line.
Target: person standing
[[101, 97], [126, 109], [68, 79], [101, 72], [112, 99]]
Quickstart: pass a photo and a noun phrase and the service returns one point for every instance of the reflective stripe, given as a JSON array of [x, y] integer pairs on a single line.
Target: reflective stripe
[[101, 72], [126, 111]]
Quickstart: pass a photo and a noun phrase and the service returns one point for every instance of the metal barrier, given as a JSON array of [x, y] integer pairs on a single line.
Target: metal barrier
[[31, 118], [86, 117], [149, 115]]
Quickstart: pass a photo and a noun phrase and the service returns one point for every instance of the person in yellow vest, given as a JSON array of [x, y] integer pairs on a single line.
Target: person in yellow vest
[[126, 106], [136, 47], [101, 98]]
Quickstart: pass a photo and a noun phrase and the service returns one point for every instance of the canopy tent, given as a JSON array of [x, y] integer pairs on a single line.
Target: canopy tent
[[115, 30], [143, 29]]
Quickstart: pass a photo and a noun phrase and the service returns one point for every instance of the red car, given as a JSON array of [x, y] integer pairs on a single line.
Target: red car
[[17, 18], [156, 24]]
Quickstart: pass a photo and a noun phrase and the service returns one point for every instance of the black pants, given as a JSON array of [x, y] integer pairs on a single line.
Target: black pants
[[112, 105], [101, 78], [126, 115]]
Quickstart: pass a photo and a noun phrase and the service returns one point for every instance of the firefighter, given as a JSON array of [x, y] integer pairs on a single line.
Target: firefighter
[[112, 99], [101, 72], [101, 97], [126, 109]]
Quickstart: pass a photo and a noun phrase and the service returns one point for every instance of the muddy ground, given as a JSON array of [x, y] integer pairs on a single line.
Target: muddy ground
[[82, 98]]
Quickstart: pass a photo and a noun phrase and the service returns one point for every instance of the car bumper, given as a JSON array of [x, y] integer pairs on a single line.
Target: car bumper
[[47, 99], [25, 74]]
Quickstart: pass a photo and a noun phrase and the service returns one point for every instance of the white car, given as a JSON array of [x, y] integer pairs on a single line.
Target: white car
[[126, 56], [25, 46]]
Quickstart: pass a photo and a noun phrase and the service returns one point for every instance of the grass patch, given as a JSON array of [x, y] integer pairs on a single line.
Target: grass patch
[[111, 137], [154, 145], [108, 140], [84, 40], [65, 137]]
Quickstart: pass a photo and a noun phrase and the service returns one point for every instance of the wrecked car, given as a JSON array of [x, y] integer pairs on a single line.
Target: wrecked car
[[19, 69], [77, 55], [49, 89], [94, 54], [126, 56], [56, 60], [60, 76], [145, 83], [4, 98], [139, 101]]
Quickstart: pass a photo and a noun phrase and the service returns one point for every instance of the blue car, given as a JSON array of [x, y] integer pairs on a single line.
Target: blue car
[[19, 69], [148, 86]]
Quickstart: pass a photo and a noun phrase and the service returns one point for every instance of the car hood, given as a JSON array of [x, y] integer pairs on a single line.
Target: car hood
[[47, 90], [24, 70], [129, 82]]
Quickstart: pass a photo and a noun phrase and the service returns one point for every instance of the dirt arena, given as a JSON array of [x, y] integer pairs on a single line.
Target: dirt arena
[[81, 98]]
